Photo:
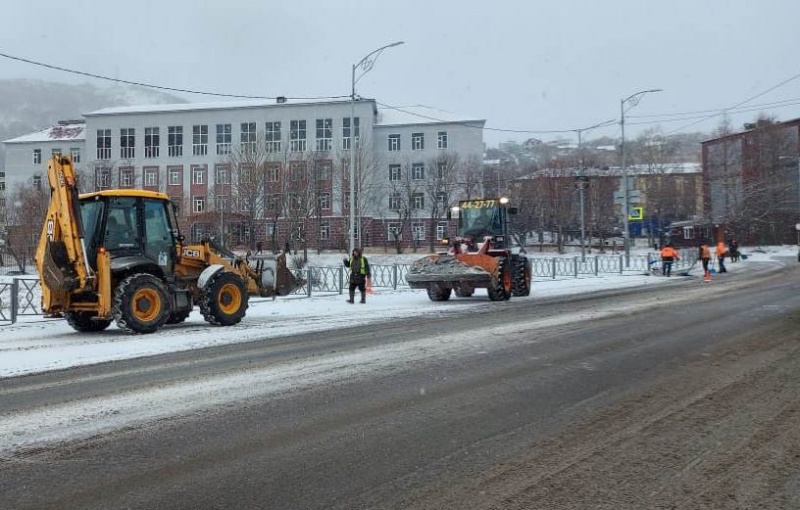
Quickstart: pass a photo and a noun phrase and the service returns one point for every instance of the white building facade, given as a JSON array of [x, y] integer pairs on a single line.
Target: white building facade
[[275, 173]]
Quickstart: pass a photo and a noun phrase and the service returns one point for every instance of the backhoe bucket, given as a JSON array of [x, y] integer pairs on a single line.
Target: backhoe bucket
[[276, 278]]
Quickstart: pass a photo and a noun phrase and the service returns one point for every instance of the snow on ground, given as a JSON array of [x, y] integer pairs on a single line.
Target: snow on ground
[[36, 344]]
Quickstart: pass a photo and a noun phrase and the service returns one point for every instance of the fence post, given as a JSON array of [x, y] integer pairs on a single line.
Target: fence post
[[394, 276], [621, 264], [554, 268], [575, 266], [14, 299], [341, 281], [596, 265], [309, 284]]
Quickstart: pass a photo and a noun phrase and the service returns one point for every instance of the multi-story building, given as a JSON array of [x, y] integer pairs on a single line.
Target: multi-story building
[[26, 156], [752, 182], [278, 172]]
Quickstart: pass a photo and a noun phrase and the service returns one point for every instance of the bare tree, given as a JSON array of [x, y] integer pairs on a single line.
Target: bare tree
[[25, 217], [440, 187]]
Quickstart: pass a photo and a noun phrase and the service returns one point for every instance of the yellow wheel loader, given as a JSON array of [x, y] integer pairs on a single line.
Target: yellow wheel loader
[[117, 255], [479, 256]]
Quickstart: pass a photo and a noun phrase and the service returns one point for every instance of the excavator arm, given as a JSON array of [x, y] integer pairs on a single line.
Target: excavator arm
[[61, 253]]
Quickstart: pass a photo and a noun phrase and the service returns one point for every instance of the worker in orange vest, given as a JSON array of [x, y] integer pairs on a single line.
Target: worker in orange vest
[[721, 252], [668, 255], [704, 255]]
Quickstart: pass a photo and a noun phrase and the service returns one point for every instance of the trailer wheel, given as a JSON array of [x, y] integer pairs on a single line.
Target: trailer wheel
[[437, 292], [521, 275], [83, 322], [463, 290], [141, 304], [500, 286], [224, 300]]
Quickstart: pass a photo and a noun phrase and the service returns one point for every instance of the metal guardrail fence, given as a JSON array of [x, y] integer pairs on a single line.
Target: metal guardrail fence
[[22, 295]]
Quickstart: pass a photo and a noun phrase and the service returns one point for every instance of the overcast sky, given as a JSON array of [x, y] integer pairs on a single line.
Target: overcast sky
[[539, 66]]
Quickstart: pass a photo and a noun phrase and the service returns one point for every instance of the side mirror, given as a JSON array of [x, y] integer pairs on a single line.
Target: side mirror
[[512, 210]]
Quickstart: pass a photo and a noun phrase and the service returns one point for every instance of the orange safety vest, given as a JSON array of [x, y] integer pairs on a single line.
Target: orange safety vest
[[669, 251], [705, 253]]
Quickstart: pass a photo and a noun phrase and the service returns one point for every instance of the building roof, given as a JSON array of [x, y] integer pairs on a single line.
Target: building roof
[[218, 105], [419, 114], [62, 132]]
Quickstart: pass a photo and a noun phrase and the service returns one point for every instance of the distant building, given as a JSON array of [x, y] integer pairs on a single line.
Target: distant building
[[26, 156], [196, 153], [752, 182]]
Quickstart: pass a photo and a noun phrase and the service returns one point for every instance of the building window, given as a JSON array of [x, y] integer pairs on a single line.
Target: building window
[[418, 201], [394, 202], [198, 204], [417, 141], [273, 171], [324, 170], [324, 201], [222, 174], [37, 181], [394, 143], [442, 228], [37, 156], [55, 153], [441, 201], [223, 139], [175, 141], [221, 203], [103, 144], [297, 135], [324, 135], [273, 136], [394, 231], [273, 205], [346, 135], [418, 231], [152, 141], [175, 176], [298, 170], [418, 171], [102, 178], [347, 200], [75, 154], [199, 140], [395, 174], [324, 232], [198, 174], [441, 140], [151, 177], [126, 177], [247, 136], [127, 143]]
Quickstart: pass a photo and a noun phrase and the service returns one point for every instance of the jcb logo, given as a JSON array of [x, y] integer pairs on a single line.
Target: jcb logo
[[50, 228]]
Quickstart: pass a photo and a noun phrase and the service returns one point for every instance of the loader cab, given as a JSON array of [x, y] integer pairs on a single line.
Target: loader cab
[[478, 219], [136, 228]]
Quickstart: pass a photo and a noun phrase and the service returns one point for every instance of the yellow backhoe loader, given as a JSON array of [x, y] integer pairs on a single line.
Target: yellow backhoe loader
[[117, 255]]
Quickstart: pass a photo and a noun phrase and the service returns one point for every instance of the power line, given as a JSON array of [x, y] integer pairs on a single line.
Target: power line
[[152, 86]]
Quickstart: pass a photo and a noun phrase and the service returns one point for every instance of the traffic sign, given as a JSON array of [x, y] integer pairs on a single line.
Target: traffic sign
[[635, 213]]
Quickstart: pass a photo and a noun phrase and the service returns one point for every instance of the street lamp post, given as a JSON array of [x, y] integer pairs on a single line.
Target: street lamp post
[[581, 182], [365, 64], [633, 99]]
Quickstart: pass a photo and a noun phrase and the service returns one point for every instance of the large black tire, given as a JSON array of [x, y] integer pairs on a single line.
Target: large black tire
[[500, 287], [438, 292], [141, 303], [464, 290], [224, 300], [520, 275], [83, 322]]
